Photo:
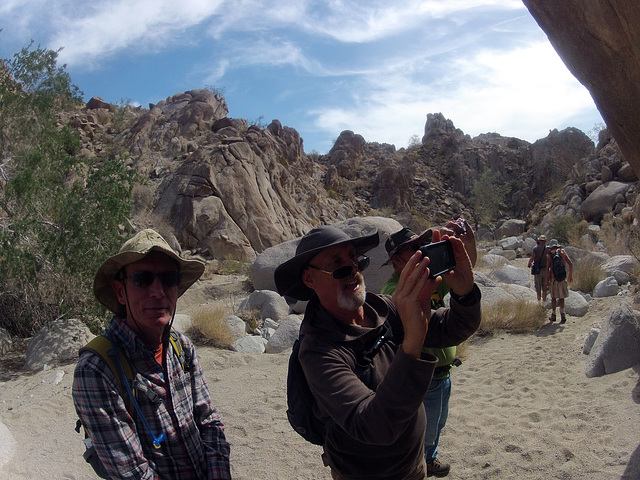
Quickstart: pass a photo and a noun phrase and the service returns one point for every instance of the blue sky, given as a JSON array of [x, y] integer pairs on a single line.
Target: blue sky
[[374, 67]]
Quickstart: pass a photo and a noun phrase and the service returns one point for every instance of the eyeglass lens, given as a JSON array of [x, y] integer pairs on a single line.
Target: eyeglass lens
[[344, 272], [145, 278]]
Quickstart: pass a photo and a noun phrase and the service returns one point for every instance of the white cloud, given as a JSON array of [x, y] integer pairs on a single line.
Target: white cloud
[[522, 93], [94, 32]]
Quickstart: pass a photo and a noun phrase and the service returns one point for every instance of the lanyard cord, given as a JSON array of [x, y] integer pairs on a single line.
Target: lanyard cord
[[113, 353]]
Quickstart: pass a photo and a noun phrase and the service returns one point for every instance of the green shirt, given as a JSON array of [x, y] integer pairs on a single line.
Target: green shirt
[[446, 355]]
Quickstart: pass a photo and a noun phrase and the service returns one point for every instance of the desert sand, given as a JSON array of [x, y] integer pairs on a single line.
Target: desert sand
[[521, 408]]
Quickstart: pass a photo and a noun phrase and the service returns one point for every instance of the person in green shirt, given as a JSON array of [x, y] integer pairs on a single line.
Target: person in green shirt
[[401, 246]]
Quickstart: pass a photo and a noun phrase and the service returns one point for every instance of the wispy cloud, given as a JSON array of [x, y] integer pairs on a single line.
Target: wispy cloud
[[372, 66]]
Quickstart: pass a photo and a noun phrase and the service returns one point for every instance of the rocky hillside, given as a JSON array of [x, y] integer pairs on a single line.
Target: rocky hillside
[[228, 189]]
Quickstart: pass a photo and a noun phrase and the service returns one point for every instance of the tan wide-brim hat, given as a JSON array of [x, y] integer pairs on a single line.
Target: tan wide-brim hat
[[134, 249]]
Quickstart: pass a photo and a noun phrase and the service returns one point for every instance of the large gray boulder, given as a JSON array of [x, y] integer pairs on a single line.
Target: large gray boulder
[[598, 42], [59, 341], [511, 275], [261, 270], [616, 347], [264, 304], [287, 333], [603, 200], [253, 344], [623, 263], [606, 288]]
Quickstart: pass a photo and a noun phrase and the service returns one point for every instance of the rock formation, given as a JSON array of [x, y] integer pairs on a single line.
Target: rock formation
[[229, 190], [599, 42]]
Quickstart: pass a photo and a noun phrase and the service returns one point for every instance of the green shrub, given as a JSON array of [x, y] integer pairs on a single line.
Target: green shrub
[[62, 214]]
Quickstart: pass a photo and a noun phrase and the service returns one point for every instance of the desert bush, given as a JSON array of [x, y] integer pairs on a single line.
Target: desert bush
[[516, 316], [566, 227], [487, 194], [577, 236], [61, 214], [209, 327], [586, 275], [229, 266], [620, 237]]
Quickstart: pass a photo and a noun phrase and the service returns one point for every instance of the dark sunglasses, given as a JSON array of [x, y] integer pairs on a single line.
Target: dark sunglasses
[[344, 272], [145, 278]]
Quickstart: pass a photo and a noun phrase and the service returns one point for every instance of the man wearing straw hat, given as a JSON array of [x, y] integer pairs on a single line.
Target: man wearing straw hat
[[375, 423], [174, 432]]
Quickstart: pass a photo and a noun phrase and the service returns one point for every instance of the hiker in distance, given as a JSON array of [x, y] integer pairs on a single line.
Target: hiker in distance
[[375, 425], [538, 265], [141, 286], [557, 263], [400, 247]]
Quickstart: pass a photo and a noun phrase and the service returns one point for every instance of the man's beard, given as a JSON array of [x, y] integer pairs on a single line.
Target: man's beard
[[353, 301]]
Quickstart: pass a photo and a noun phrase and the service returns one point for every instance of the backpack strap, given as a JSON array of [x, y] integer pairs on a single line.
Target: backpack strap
[[178, 348], [366, 358], [104, 348]]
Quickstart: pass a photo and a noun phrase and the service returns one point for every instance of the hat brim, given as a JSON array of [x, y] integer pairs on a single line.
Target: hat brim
[[423, 239], [288, 275], [190, 271]]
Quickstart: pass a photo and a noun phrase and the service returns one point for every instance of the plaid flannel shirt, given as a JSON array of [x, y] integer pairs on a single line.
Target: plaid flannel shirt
[[196, 447]]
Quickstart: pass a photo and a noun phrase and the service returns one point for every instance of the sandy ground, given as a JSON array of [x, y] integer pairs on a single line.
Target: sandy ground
[[521, 408]]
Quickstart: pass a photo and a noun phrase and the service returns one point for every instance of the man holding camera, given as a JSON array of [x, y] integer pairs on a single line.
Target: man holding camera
[[400, 246], [375, 419]]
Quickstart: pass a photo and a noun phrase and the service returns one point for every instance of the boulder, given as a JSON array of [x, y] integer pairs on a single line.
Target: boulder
[[237, 326], [622, 263], [508, 254], [602, 200], [590, 340], [250, 344], [285, 335], [509, 243], [491, 260], [182, 322], [261, 270], [263, 304], [606, 288], [510, 228], [59, 341], [599, 42], [616, 347], [511, 275], [575, 304]]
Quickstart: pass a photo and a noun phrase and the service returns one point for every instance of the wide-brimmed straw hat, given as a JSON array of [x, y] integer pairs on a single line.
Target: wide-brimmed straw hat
[[403, 238], [134, 249], [288, 275], [542, 238]]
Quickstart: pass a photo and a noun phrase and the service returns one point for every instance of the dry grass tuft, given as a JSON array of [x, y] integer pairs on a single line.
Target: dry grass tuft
[[209, 327], [517, 316], [586, 275]]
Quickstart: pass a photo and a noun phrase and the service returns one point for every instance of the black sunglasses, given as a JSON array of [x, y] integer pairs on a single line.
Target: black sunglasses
[[344, 272], [145, 278]]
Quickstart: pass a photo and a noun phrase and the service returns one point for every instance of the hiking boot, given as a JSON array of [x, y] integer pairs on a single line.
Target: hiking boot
[[552, 318], [563, 318], [437, 469]]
